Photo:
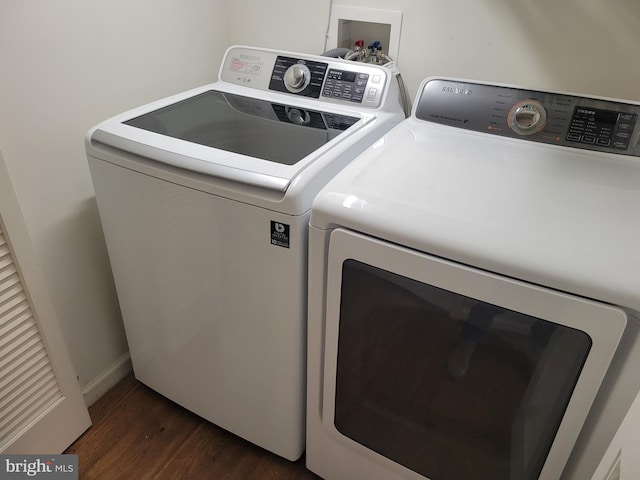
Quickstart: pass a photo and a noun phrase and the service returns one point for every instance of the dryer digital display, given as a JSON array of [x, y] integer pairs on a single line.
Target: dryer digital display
[[607, 128]]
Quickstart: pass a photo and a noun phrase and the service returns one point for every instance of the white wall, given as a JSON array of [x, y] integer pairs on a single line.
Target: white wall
[[582, 46], [294, 25], [64, 66]]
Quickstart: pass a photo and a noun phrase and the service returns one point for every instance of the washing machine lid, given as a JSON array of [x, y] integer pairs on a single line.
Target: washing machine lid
[[257, 141], [555, 216]]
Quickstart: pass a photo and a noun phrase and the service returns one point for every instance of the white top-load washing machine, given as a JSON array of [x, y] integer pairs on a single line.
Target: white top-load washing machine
[[474, 290], [204, 199]]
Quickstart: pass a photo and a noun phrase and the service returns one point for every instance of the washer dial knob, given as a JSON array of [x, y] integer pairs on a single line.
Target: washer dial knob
[[527, 117], [297, 77]]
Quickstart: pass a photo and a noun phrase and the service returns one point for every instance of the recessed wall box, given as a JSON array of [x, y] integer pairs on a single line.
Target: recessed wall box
[[350, 24]]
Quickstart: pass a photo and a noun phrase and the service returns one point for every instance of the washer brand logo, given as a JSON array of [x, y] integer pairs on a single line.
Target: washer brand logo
[[457, 90], [280, 234], [253, 58], [55, 467]]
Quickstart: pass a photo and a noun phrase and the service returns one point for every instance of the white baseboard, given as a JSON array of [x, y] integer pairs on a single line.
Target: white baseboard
[[107, 379]]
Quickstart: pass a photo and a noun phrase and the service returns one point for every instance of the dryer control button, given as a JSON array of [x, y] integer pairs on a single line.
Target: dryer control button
[[527, 117]]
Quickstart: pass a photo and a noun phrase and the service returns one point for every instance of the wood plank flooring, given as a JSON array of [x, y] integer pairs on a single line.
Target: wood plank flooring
[[138, 434]]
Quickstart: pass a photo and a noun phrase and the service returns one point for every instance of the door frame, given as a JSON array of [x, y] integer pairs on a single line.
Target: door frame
[[51, 431]]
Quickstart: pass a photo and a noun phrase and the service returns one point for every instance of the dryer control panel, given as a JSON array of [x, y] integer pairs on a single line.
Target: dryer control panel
[[328, 80], [589, 123]]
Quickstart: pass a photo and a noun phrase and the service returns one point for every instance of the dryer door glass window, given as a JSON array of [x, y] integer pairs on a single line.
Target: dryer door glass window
[[248, 126], [448, 386]]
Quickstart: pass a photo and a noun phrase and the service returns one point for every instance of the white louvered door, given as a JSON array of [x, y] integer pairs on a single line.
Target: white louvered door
[[41, 407]]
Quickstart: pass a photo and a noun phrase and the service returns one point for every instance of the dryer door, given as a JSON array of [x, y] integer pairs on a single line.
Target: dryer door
[[438, 370]]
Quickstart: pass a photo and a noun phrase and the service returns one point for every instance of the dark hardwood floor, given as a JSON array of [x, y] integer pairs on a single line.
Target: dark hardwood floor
[[138, 434]]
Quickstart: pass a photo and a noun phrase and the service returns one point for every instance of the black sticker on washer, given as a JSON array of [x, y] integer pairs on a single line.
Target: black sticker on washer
[[280, 234]]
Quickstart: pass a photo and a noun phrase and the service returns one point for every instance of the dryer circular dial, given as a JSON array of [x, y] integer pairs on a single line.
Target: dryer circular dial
[[297, 77], [527, 117]]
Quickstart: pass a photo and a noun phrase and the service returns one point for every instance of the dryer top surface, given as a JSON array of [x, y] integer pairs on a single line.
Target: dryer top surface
[[551, 215]]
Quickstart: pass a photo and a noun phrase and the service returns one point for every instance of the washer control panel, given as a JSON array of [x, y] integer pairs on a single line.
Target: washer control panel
[[348, 85], [353, 82], [322, 78], [293, 75], [556, 118]]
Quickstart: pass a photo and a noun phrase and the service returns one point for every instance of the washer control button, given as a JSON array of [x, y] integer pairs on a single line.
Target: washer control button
[[297, 77]]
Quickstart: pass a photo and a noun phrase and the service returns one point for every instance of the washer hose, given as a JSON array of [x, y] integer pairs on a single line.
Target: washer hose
[[336, 53], [404, 97]]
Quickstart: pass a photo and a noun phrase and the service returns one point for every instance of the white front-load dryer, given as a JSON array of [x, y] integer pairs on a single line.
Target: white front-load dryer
[[474, 293], [204, 199]]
